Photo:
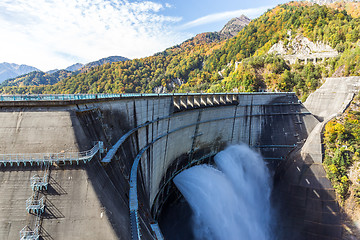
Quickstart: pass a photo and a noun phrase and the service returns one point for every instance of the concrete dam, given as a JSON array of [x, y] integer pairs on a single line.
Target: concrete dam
[[104, 164]]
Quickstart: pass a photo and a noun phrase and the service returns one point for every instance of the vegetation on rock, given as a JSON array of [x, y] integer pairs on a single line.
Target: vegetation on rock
[[342, 151]]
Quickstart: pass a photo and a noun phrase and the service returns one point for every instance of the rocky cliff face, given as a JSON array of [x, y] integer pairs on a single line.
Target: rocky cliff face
[[176, 82], [234, 26], [302, 48], [300, 45]]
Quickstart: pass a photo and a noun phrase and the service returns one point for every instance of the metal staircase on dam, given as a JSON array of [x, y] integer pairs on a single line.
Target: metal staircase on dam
[[36, 205], [50, 158], [29, 234], [39, 183]]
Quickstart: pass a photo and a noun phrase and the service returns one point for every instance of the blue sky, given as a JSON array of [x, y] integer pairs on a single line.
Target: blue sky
[[50, 34]]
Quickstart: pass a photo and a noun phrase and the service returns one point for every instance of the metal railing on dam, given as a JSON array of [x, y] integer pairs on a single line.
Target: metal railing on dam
[[49, 158], [59, 97], [71, 97], [180, 101]]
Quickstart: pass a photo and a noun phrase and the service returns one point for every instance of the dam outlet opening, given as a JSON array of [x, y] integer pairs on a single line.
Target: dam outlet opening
[[228, 198]]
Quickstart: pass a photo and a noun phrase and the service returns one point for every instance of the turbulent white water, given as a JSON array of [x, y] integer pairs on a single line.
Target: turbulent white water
[[231, 201]]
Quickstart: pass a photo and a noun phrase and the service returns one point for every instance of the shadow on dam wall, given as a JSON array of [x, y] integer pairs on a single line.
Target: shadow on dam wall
[[305, 201], [273, 124], [110, 182]]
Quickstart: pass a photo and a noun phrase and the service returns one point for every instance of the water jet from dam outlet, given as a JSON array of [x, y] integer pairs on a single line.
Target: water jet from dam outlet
[[230, 200]]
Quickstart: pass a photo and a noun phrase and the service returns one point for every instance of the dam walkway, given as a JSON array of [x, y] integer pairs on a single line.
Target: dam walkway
[[50, 158]]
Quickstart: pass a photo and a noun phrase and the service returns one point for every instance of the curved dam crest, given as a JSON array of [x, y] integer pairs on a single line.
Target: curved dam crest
[[92, 200]]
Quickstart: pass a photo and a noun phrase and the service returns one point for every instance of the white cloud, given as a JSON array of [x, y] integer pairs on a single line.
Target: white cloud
[[56, 33], [216, 17]]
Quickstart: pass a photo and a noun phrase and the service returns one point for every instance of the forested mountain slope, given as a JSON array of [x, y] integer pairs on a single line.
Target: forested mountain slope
[[139, 75], [37, 78], [210, 63]]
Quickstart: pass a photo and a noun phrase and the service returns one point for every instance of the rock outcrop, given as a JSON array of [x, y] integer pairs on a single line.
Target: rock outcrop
[[301, 48], [173, 85], [234, 26]]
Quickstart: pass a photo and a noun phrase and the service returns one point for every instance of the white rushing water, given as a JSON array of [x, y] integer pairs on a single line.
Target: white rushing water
[[232, 200]]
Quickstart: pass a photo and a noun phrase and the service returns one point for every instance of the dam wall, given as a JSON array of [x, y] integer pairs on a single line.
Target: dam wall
[[307, 201], [166, 133]]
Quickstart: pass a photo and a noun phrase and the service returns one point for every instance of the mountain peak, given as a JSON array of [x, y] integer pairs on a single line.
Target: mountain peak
[[10, 70], [102, 61], [234, 26], [53, 76], [74, 67]]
